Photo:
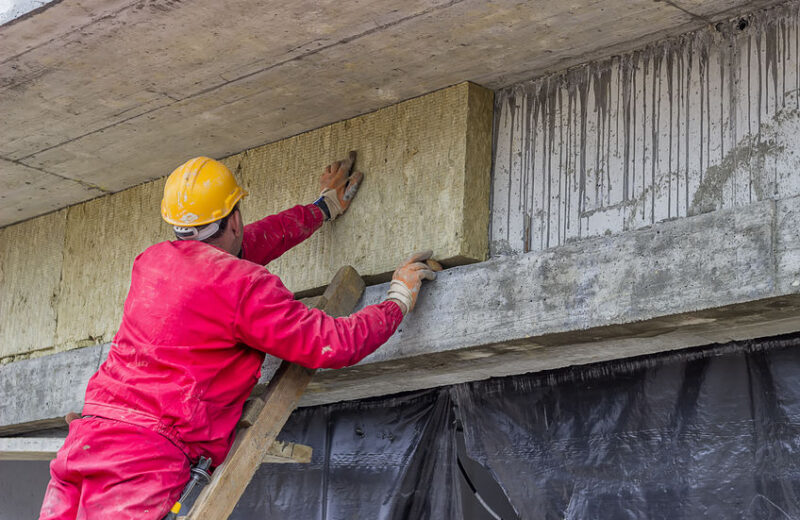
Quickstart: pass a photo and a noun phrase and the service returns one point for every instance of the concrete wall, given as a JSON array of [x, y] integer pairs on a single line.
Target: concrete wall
[[65, 275], [706, 121]]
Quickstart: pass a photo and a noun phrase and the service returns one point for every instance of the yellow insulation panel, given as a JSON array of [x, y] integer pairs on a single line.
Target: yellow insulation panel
[[427, 165], [103, 237], [30, 270]]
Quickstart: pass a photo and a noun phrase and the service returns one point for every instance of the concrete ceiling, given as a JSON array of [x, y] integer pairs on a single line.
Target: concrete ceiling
[[100, 95]]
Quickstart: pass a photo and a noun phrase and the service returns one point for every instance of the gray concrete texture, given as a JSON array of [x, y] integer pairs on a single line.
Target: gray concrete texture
[[101, 95], [706, 121], [37, 392]]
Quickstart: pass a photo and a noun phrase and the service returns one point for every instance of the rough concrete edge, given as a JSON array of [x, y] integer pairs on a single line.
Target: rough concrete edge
[[527, 356], [36, 393]]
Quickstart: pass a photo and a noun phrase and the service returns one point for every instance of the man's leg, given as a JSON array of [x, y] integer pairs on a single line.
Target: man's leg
[[148, 496], [131, 473], [64, 490], [127, 472]]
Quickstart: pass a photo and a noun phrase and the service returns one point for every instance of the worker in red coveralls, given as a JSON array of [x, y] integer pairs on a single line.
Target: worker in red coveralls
[[200, 315]]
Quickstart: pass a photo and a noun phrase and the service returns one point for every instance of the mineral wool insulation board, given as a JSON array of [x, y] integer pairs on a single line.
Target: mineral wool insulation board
[[426, 163]]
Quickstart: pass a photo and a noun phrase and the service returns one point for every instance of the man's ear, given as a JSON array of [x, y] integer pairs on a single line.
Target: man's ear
[[237, 222]]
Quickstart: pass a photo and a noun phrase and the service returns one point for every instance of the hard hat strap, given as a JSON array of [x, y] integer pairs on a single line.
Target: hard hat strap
[[196, 232]]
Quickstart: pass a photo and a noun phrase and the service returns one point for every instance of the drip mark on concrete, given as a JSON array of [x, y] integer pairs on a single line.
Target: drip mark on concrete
[[691, 124]]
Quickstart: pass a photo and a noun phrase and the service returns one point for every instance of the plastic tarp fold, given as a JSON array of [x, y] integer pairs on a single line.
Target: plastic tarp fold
[[702, 433]]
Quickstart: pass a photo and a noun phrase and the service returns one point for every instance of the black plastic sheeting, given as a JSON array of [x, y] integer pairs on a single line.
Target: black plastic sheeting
[[704, 433]]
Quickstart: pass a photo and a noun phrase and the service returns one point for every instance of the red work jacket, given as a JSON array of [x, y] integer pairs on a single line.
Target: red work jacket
[[197, 323]]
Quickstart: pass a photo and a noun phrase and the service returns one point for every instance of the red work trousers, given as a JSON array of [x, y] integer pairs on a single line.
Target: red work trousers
[[111, 469]]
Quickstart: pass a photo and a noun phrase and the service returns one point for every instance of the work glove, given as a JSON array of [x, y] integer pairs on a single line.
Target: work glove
[[338, 187], [407, 279]]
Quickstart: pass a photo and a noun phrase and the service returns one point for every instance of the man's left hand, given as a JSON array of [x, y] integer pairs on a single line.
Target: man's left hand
[[339, 186]]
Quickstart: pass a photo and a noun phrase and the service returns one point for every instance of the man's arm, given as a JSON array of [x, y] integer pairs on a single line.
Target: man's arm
[[271, 320], [268, 318], [269, 238]]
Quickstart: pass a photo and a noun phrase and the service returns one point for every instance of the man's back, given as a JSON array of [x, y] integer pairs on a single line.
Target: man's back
[[175, 365]]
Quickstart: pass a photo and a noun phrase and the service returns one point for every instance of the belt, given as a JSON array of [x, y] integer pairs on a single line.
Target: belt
[[136, 418]]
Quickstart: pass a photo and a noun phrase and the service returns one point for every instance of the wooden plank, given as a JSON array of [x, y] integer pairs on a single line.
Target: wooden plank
[[255, 402], [287, 453], [282, 394], [33, 426]]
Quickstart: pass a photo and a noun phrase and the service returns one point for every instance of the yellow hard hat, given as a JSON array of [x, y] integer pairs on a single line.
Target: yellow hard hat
[[198, 192]]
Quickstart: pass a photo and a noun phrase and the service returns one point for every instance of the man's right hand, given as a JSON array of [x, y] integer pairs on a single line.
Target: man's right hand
[[407, 279]]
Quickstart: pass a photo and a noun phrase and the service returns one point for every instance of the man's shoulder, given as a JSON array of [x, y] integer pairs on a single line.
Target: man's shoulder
[[157, 246], [183, 248], [156, 251], [199, 257]]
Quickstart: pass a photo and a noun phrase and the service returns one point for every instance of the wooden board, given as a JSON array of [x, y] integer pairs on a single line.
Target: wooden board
[[287, 453], [282, 394]]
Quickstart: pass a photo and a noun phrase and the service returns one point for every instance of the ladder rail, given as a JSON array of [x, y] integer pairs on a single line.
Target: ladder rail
[[267, 414]]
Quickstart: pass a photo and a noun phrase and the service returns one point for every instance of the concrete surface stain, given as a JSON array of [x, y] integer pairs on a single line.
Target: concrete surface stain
[[695, 123], [709, 194]]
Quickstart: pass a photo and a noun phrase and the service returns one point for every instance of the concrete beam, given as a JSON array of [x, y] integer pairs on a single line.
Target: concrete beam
[[29, 448], [36, 394], [713, 278]]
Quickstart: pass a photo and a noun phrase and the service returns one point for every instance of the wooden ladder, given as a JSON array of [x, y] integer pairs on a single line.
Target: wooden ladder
[[267, 412]]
